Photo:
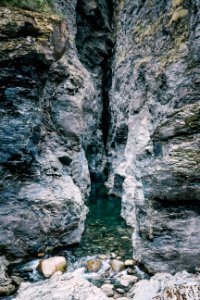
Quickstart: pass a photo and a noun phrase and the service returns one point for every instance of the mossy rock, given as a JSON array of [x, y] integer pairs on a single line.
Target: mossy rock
[[93, 265], [35, 5]]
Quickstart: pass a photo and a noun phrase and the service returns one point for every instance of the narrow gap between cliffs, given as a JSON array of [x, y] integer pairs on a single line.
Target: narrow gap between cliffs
[[105, 229]]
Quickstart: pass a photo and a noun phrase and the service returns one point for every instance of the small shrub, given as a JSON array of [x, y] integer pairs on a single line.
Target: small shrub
[[177, 3], [178, 14], [35, 5]]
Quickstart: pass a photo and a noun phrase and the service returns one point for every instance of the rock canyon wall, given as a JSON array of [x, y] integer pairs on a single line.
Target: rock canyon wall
[[101, 88], [154, 134]]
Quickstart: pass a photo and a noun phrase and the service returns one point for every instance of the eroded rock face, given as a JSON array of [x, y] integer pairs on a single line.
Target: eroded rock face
[[55, 118], [7, 287], [44, 173], [51, 108], [154, 135]]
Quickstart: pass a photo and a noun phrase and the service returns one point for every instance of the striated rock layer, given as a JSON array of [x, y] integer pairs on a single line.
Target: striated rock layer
[[41, 207], [154, 135], [71, 94], [51, 122]]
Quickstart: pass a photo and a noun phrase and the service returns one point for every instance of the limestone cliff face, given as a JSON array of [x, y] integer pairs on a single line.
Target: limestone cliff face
[[154, 134], [51, 116], [102, 86]]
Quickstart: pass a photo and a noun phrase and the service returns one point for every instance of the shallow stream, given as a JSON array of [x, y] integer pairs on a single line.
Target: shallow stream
[[105, 233]]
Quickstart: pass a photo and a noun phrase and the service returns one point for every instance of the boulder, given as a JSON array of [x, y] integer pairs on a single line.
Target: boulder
[[130, 262], [49, 266], [93, 265], [127, 280], [164, 286], [117, 265], [64, 287], [108, 289]]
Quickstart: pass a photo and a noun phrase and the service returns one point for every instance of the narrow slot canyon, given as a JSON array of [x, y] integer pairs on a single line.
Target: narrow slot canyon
[[99, 150]]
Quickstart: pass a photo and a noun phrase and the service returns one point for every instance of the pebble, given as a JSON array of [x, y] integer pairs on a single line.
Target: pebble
[[41, 254], [113, 255], [120, 291], [7, 290], [17, 280], [130, 271], [52, 265], [107, 289], [127, 280], [129, 263], [117, 265], [125, 238], [102, 256], [93, 265]]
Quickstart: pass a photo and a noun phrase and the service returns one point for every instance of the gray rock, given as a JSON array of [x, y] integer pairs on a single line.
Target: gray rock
[[127, 280], [51, 129], [164, 286], [154, 134], [7, 286], [107, 289], [41, 207]]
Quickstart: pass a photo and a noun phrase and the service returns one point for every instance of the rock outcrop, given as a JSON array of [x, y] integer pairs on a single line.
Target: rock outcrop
[[164, 286], [75, 102], [40, 150], [65, 287], [51, 122], [154, 135]]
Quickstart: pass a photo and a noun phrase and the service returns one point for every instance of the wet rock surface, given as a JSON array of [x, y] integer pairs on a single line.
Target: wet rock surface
[[47, 267]]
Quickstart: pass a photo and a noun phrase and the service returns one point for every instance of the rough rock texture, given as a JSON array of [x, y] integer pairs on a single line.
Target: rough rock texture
[[7, 287], [163, 286], [65, 287], [41, 207], [154, 135], [94, 42], [57, 117], [51, 120]]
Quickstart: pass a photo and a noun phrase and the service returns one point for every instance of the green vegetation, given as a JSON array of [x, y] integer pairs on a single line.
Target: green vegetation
[[177, 3], [35, 5], [178, 14], [141, 31]]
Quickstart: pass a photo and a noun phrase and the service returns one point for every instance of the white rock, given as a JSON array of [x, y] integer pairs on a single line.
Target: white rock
[[117, 265], [65, 287], [127, 280], [52, 265], [107, 289], [102, 256], [144, 290], [129, 263]]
